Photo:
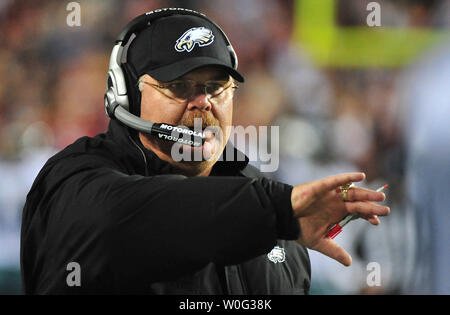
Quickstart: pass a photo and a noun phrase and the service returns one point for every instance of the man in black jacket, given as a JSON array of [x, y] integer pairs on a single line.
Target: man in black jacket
[[130, 218]]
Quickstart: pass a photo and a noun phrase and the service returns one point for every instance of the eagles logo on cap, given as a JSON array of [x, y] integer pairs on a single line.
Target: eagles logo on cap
[[201, 36]]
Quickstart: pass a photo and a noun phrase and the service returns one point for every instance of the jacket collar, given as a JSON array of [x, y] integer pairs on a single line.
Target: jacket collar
[[147, 162]]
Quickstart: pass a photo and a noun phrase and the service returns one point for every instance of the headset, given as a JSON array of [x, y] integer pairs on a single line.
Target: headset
[[117, 100]]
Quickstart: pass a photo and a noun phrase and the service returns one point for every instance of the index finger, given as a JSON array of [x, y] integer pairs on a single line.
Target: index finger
[[333, 182]]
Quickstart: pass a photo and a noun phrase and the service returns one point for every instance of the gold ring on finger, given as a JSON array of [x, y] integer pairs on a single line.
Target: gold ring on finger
[[344, 189]]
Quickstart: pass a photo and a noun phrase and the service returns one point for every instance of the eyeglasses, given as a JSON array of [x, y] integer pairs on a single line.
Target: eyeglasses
[[183, 90]]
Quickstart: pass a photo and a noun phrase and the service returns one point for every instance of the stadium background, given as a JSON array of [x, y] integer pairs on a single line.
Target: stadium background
[[350, 95]]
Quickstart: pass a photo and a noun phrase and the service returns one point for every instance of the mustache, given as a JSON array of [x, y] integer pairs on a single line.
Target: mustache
[[207, 119]]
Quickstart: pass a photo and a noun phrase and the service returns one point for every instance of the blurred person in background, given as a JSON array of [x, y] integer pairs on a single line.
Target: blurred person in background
[[425, 101], [138, 221], [428, 167]]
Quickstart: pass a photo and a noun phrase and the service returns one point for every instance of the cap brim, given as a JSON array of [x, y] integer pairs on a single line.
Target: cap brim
[[178, 69]]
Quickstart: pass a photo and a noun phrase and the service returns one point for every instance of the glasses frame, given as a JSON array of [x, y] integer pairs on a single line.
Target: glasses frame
[[164, 86]]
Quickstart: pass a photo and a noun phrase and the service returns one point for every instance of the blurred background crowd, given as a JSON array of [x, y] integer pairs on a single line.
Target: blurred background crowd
[[347, 97]]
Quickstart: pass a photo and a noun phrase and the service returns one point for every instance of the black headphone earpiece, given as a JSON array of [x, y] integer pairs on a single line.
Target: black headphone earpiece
[[133, 93]]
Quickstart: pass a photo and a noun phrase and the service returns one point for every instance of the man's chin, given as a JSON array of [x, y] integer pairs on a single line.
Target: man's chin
[[193, 161]]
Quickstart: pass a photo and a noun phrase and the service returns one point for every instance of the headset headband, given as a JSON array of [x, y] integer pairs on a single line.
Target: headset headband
[[144, 20]]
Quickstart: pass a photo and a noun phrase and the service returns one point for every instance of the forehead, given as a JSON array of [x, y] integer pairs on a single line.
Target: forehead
[[206, 73]]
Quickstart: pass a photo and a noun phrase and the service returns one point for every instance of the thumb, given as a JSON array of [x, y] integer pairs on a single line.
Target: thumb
[[331, 249]]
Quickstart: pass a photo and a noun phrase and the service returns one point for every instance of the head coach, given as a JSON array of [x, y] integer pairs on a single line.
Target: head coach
[[135, 220]]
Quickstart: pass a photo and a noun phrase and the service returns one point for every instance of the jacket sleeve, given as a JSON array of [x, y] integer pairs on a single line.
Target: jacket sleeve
[[165, 225]]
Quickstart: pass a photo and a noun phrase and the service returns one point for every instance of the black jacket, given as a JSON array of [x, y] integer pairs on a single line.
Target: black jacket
[[117, 210]]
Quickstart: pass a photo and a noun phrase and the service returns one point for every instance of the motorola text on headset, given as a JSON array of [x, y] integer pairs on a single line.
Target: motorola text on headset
[[116, 97]]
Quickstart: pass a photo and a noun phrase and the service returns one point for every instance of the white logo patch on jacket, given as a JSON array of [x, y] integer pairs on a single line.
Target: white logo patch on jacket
[[201, 36], [277, 255]]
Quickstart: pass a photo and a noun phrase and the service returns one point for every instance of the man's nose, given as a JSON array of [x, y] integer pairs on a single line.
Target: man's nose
[[199, 101]]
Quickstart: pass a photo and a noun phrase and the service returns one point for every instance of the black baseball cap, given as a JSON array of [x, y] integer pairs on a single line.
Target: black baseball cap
[[175, 45]]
